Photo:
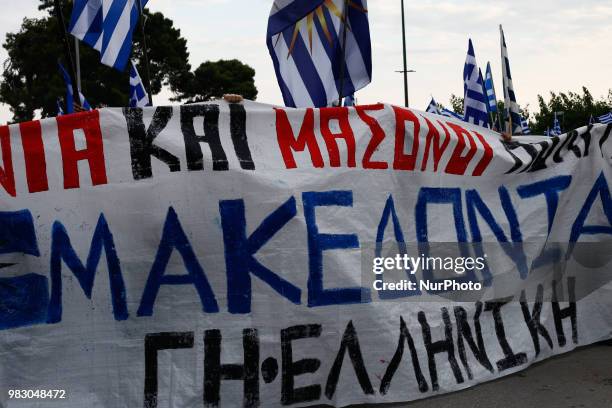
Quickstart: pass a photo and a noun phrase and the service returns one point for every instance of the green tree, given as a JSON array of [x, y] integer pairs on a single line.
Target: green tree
[[577, 110], [31, 80], [213, 79], [457, 104]]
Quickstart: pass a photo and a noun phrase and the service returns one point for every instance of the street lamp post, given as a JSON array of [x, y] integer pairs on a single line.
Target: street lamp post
[[406, 72]]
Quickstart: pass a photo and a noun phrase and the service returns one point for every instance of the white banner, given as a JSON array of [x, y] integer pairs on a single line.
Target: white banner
[[212, 255]]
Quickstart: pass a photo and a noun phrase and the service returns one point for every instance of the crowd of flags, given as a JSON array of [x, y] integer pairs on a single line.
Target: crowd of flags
[[70, 94], [107, 26], [480, 100], [321, 52]]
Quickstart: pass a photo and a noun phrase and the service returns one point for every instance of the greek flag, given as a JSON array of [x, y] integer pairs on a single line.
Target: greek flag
[[605, 119], [525, 126], [60, 108], [350, 100], [484, 91], [490, 89], [138, 94], [107, 26], [556, 130], [433, 107], [70, 94], [450, 114], [475, 101], [511, 106], [305, 40]]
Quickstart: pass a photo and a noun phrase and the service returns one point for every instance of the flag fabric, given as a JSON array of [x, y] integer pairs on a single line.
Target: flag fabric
[[556, 130], [450, 114], [349, 100], [138, 94], [433, 107], [70, 93], [69, 90], [511, 106], [525, 126], [605, 119], [484, 90], [84, 104], [107, 26], [490, 90], [305, 40], [60, 108], [474, 101]]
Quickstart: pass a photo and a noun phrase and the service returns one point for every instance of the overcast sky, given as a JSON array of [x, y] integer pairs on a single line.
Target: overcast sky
[[553, 44]]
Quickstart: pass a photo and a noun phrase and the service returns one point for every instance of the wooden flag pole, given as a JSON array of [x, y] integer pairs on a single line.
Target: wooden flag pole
[[76, 97], [145, 52]]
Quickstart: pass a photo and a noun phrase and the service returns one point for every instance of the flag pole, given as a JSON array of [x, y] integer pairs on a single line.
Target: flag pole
[[77, 54], [67, 53], [343, 50], [511, 130], [145, 52]]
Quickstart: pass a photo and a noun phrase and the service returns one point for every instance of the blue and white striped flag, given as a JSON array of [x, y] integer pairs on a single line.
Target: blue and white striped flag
[[138, 95], [556, 131], [512, 108], [605, 119], [433, 107], [107, 26], [490, 89], [450, 114], [70, 93], [84, 104], [305, 42], [60, 108], [474, 101], [525, 126], [484, 90], [350, 100]]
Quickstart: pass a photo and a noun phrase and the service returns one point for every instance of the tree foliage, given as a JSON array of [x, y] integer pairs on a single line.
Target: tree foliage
[[213, 79], [577, 110], [456, 104], [31, 80], [574, 110]]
